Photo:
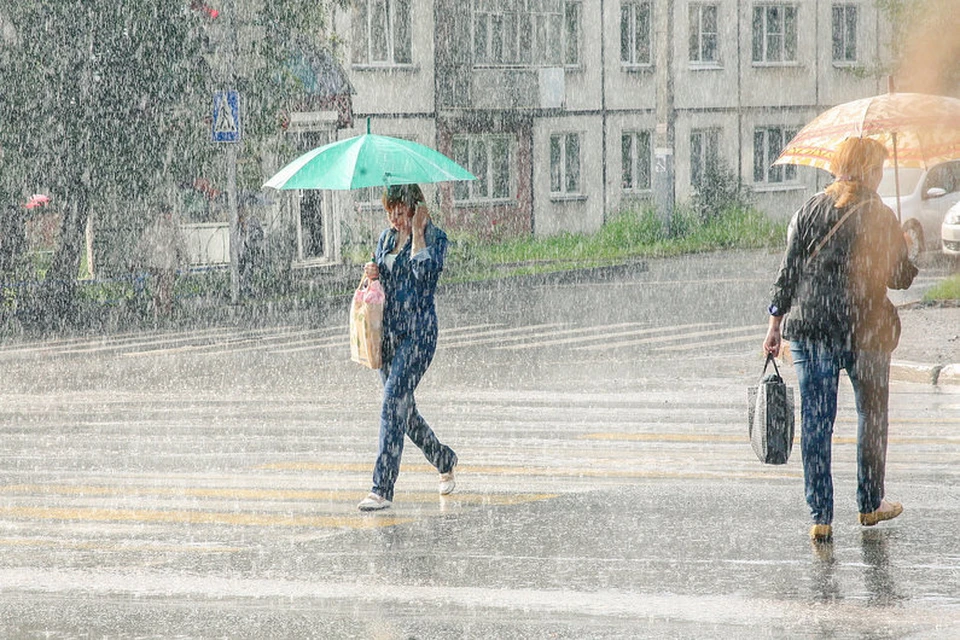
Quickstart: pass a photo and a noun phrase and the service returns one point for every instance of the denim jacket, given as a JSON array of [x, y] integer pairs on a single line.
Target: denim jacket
[[410, 284]]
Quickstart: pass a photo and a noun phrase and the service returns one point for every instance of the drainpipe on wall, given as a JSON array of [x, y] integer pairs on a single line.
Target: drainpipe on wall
[[739, 95]]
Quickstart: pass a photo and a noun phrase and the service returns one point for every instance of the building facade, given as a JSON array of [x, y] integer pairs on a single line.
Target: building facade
[[569, 111]]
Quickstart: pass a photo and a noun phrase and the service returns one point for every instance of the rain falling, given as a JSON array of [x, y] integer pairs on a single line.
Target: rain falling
[[449, 319]]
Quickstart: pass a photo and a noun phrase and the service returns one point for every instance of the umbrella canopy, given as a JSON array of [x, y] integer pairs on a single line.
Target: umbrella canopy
[[919, 129], [367, 161]]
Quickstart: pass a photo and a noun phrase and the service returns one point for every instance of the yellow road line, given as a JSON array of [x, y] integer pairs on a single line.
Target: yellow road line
[[663, 437], [263, 494], [852, 419], [201, 517], [531, 470], [101, 546]]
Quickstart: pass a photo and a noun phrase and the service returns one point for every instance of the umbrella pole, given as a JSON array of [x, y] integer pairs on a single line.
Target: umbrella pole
[[896, 176], [896, 165]]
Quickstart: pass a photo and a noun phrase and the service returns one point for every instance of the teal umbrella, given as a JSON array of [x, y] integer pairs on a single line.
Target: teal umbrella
[[367, 161]]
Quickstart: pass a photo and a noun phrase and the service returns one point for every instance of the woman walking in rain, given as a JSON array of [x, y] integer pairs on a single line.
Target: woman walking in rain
[[408, 262], [844, 249]]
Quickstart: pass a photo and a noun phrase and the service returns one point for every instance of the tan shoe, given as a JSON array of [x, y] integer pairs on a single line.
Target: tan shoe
[[821, 532], [886, 511]]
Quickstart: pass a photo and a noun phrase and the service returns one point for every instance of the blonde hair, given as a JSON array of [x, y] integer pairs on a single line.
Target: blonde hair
[[852, 162]]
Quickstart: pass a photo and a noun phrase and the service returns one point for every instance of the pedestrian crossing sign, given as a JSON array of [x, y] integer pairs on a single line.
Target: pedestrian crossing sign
[[226, 116]]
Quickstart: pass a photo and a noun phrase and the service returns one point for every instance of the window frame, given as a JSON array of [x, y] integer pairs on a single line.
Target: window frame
[[485, 177], [761, 43], [781, 175], [527, 36], [363, 16], [635, 186], [700, 34], [632, 6], [564, 168], [573, 41], [847, 8], [699, 163]]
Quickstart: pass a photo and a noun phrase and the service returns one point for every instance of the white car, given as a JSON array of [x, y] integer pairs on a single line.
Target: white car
[[950, 232], [925, 197]]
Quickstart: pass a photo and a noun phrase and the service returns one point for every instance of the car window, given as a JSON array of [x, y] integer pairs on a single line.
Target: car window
[[941, 177], [954, 177]]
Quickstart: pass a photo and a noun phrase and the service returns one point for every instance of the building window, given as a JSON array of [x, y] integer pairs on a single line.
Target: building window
[[490, 158], [704, 154], [703, 33], [521, 32], [775, 33], [768, 142], [635, 33], [565, 163], [845, 33], [381, 32], [637, 162], [571, 34]]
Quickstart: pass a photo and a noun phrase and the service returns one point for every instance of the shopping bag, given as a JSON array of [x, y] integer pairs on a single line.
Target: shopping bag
[[366, 323], [770, 416]]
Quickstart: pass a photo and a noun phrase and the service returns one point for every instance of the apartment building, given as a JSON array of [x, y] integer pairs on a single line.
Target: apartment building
[[571, 110]]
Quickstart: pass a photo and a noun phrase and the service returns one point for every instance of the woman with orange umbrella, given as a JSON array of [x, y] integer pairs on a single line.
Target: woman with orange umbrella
[[844, 249]]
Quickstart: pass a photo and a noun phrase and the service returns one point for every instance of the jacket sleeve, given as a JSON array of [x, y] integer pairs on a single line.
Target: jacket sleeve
[[785, 286], [902, 271], [378, 254]]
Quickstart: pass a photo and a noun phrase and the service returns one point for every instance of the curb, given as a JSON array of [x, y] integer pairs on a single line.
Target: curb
[[949, 374], [936, 374], [563, 276]]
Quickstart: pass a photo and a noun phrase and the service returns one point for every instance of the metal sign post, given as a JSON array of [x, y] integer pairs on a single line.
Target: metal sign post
[[226, 128]]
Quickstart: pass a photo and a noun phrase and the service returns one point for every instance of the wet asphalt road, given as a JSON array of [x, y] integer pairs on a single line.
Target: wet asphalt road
[[203, 483]]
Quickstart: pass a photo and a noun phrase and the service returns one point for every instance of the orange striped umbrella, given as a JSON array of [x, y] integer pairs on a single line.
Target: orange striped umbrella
[[919, 130]]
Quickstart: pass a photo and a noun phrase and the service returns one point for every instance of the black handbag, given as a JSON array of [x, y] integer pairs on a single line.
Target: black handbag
[[770, 416]]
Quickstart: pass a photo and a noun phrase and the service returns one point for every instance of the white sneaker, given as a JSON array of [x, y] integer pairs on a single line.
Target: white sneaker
[[447, 482], [373, 502]]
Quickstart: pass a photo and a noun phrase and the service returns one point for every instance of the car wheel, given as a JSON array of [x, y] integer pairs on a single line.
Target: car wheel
[[914, 237]]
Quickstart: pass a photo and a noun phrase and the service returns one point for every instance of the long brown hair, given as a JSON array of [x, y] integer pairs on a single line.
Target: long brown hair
[[852, 162]]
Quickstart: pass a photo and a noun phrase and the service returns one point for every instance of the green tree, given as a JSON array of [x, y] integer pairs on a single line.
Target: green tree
[[103, 107]]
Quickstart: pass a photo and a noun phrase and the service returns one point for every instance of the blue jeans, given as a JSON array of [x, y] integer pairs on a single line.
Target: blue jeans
[[405, 360], [818, 373]]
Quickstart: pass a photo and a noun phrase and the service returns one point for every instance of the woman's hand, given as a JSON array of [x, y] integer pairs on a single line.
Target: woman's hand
[[773, 341], [419, 225], [420, 218], [371, 270]]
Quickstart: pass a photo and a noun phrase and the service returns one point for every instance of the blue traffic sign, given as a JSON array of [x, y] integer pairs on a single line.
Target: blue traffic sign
[[226, 116]]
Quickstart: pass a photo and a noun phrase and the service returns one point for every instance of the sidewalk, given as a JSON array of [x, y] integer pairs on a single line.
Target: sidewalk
[[929, 349]]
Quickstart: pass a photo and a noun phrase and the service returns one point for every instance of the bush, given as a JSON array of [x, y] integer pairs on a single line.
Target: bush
[[720, 190]]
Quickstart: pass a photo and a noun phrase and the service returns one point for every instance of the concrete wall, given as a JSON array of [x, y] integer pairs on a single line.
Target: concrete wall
[[574, 213]]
